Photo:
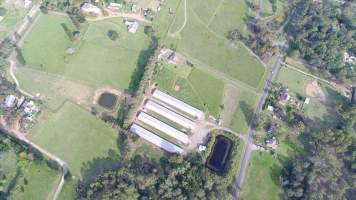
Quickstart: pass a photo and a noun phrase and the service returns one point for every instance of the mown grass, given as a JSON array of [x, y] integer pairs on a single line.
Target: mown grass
[[77, 137], [261, 181], [295, 81], [97, 59], [199, 89], [244, 111], [212, 48]]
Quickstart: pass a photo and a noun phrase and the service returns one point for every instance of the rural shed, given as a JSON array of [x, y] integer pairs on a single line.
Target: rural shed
[[165, 112], [180, 105], [154, 139], [10, 101], [165, 128]]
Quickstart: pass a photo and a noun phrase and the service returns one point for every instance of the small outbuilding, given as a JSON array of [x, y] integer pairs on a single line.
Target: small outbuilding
[[10, 101], [132, 26]]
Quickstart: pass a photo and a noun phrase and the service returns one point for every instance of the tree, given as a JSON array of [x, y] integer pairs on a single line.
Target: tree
[[113, 35]]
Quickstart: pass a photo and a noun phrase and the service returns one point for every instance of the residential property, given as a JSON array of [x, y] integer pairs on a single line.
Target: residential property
[[163, 127], [271, 143], [168, 54], [132, 26], [154, 139], [169, 114], [90, 8], [180, 105], [284, 96]]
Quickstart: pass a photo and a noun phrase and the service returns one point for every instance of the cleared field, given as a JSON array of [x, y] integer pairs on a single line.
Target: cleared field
[[231, 14], [199, 89], [261, 180], [37, 181], [295, 81], [243, 113], [68, 191], [165, 18], [96, 60], [77, 137], [7, 162], [54, 89], [210, 46]]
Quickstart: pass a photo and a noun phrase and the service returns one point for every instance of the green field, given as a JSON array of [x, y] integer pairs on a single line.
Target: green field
[[41, 183], [261, 181], [206, 41], [97, 60], [295, 81], [197, 88], [77, 137], [243, 113]]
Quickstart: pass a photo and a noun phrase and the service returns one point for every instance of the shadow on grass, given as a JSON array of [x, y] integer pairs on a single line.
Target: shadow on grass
[[247, 111], [13, 182], [91, 169], [142, 62]]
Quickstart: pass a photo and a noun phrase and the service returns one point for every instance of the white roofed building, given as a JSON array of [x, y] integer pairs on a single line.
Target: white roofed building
[[163, 127], [175, 103], [165, 112], [156, 140], [10, 101], [132, 26], [90, 8]]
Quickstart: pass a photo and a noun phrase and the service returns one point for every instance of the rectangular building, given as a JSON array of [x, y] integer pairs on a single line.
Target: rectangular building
[[165, 112], [180, 105], [163, 127], [154, 139]]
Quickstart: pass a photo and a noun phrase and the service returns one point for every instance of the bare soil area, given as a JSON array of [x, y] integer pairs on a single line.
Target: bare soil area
[[313, 90]]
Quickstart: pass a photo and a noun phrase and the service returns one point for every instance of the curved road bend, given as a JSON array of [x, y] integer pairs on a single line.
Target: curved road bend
[[249, 140]]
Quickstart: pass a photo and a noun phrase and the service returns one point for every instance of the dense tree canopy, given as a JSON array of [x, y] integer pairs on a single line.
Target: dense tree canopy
[[322, 31], [173, 178]]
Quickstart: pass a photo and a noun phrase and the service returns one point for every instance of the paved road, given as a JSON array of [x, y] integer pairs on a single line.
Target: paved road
[[249, 140]]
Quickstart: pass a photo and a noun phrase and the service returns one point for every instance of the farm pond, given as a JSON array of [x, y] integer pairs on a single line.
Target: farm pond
[[220, 154], [108, 100]]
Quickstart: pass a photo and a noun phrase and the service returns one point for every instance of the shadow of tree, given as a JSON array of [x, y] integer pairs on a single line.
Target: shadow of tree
[[98, 165], [247, 111]]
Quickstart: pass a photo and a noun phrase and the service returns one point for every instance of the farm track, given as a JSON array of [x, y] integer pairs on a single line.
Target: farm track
[[185, 20], [20, 136]]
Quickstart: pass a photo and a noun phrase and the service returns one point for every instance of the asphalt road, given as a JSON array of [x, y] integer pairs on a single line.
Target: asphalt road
[[249, 141]]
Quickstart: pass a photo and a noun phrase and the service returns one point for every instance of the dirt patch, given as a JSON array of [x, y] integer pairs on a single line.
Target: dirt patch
[[231, 96], [313, 90], [177, 88]]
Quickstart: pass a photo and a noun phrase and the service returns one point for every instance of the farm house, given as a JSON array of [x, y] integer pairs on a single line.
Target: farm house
[[174, 117], [154, 139], [157, 124], [180, 105]]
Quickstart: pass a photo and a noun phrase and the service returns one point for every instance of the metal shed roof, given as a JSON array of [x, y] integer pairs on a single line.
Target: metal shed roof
[[165, 128], [178, 104], [165, 112], [154, 139]]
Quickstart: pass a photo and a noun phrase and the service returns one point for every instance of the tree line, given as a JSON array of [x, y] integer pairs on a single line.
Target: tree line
[[169, 178]]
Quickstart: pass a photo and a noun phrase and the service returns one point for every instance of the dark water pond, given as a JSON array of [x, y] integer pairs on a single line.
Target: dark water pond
[[107, 100], [219, 156]]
